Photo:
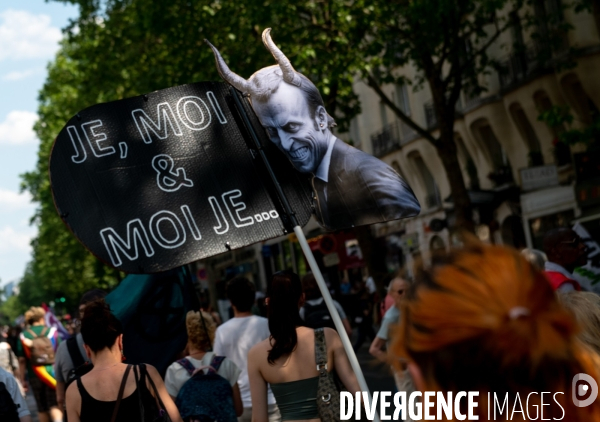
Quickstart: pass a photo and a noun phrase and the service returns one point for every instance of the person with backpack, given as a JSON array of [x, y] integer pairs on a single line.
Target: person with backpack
[[70, 360], [36, 351], [203, 384], [114, 391], [13, 407], [314, 313]]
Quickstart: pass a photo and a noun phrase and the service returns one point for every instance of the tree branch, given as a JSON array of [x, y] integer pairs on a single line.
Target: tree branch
[[372, 82], [499, 31]]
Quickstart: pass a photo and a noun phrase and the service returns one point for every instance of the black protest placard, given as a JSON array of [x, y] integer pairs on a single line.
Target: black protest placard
[[158, 181]]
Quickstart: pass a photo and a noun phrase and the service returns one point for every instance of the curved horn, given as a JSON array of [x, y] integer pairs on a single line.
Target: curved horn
[[233, 79], [289, 74]]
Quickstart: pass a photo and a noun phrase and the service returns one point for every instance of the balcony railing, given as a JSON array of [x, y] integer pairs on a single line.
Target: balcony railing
[[517, 66], [391, 138]]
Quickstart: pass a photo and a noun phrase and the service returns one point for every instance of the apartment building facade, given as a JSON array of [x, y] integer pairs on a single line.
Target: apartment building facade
[[521, 182]]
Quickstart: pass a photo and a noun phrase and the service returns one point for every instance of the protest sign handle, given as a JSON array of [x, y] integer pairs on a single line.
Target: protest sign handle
[[286, 205], [314, 267], [307, 252]]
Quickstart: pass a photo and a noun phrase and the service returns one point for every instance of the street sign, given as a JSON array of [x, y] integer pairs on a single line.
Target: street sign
[[157, 181], [538, 177]]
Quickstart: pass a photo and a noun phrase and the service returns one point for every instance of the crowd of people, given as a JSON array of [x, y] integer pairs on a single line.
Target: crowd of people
[[480, 318]]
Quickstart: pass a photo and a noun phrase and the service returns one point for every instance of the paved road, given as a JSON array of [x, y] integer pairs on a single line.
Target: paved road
[[377, 374], [32, 406]]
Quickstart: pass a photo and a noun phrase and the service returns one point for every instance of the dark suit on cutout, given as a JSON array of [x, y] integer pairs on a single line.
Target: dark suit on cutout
[[361, 189]]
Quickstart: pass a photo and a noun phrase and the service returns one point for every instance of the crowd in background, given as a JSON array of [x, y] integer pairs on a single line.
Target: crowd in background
[[520, 319]]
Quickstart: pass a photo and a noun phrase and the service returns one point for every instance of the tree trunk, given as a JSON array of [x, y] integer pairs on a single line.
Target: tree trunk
[[448, 153]]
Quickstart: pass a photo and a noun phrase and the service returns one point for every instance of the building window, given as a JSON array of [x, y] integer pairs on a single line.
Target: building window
[[528, 134], [495, 154], [432, 198], [397, 169], [355, 133], [383, 114], [562, 152], [578, 99], [467, 163], [402, 99]]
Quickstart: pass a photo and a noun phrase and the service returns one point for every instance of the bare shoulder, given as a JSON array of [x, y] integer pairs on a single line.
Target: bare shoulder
[[73, 392], [331, 336], [259, 349]]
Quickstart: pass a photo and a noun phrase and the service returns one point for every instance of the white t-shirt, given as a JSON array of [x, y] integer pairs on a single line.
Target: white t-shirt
[[13, 389], [177, 375], [234, 339]]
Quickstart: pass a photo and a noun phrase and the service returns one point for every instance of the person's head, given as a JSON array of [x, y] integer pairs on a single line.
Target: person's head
[[241, 293], [35, 315], [484, 319], [564, 247], [397, 290], [100, 329], [284, 294], [536, 258], [585, 306], [200, 335], [90, 296], [310, 288], [288, 105]]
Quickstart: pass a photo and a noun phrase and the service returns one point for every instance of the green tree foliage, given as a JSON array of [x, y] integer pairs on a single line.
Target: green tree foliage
[[118, 49], [558, 117], [121, 48]]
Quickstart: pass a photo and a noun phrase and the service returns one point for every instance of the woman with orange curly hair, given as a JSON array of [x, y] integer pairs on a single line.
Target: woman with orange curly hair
[[484, 319]]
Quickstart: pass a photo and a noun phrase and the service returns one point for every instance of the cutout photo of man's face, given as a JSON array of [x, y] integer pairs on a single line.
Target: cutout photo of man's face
[[288, 121]]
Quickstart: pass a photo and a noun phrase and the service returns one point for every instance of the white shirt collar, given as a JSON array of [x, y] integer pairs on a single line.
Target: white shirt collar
[[551, 266], [323, 169]]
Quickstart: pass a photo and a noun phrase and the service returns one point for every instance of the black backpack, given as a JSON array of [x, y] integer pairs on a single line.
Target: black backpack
[[205, 397], [317, 316], [80, 366], [9, 411]]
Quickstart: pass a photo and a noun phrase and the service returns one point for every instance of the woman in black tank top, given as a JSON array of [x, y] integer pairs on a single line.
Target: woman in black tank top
[[113, 391]]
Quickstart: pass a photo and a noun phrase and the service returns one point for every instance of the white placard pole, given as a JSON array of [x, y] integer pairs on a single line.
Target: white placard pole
[[314, 267], [307, 252]]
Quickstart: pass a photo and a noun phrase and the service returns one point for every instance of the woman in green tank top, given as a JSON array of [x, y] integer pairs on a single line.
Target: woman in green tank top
[[286, 360]]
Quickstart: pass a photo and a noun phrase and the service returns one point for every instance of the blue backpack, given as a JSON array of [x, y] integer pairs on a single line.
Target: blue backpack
[[206, 397]]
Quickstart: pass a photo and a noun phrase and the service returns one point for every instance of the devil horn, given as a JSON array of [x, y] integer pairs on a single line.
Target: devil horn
[[233, 79], [289, 74]]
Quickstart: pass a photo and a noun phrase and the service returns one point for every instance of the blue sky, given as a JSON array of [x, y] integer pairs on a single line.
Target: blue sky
[[29, 34]]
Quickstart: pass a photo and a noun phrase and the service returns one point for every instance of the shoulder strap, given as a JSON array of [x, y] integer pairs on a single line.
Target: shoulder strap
[[120, 396], [32, 333], [187, 365], [145, 373], [44, 332], [216, 362], [139, 379], [320, 350], [74, 352]]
